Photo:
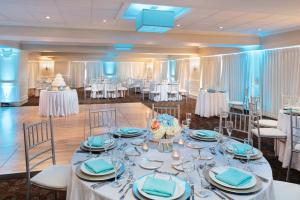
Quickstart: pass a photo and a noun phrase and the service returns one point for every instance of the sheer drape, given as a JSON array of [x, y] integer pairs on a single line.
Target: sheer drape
[[94, 70], [183, 72], [124, 71], [33, 74], [280, 74], [77, 70], [211, 69], [138, 70]]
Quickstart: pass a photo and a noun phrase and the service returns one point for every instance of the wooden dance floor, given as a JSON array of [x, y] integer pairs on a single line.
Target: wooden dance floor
[[69, 131]]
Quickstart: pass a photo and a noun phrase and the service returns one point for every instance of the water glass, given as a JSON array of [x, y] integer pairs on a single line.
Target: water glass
[[248, 153], [203, 193], [116, 162], [90, 142], [188, 118], [229, 127]]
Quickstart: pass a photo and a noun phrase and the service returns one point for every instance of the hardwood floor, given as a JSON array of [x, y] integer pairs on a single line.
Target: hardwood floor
[[69, 131]]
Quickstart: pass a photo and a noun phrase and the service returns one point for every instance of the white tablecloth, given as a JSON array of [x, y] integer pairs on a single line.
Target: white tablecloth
[[105, 87], [58, 103], [210, 104], [81, 190], [163, 94], [284, 148]]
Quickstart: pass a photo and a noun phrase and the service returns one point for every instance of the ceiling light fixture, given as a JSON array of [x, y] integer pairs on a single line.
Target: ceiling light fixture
[[47, 17], [178, 25], [259, 29], [104, 20], [221, 27]]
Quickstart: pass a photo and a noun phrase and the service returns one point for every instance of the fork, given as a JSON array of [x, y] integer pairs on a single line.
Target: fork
[[99, 184], [126, 191], [130, 178]]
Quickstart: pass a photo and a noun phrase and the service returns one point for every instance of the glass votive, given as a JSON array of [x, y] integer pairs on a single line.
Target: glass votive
[[176, 155], [145, 147], [181, 141]]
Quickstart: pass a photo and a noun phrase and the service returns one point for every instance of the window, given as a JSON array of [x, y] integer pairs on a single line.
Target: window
[[171, 70]]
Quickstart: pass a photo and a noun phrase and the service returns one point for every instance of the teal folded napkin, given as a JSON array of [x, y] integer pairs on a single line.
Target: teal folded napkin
[[159, 187], [206, 133], [98, 166], [129, 130], [96, 141], [240, 148], [234, 177]]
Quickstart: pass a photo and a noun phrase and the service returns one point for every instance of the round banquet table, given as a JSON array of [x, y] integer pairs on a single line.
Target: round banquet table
[[210, 104], [79, 189], [284, 147], [58, 103], [163, 93]]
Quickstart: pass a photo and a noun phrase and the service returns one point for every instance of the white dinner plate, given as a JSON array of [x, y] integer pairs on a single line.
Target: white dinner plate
[[218, 170], [151, 165], [86, 171], [107, 143], [179, 191], [230, 149], [194, 132]]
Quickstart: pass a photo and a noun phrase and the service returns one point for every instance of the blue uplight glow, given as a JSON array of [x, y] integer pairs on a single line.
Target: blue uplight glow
[[109, 69], [123, 47], [135, 9]]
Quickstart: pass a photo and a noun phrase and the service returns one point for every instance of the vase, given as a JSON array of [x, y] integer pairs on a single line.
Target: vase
[[165, 145]]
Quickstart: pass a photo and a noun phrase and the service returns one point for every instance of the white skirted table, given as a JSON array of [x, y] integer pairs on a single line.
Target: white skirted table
[[79, 189], [58, 103], [163, 90], [284, 147], [210, 104]]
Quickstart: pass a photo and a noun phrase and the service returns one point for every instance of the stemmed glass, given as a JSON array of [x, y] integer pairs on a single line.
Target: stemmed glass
[[203, 193], [116, 162], [184, 126], [188, 118], [248, 153], [229, 127], [90, 142], [229, 154]]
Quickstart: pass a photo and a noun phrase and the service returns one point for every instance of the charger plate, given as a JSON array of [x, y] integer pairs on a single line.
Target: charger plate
[[139, 196], [210, 139], [83, 148], [129, 135], [256, 156], [251, 190], [86, 177]]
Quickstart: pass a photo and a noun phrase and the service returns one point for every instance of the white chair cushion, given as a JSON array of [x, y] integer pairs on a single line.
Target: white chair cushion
[[122, 88], [236, 103], [286, 191], [146, 90], [267, 123], [54, 177], [297, 147], [269, 132], [183, 91]]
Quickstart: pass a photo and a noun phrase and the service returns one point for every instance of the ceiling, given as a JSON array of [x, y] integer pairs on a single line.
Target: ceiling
[[207, 21]]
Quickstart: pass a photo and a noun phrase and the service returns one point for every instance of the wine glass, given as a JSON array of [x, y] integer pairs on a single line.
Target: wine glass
[[188, 167], [248, 153], [116, 162], [184, 126], [90, 140], [229, 127], [203, 193], [188, 118], [229, 154]]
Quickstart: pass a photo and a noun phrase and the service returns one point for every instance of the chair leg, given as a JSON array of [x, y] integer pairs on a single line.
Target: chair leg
[[259, 143], [28, 192], [289, 168]]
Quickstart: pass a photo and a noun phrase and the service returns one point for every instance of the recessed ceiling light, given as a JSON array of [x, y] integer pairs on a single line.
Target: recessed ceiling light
[[47, 17], [104, 20], [178, 25], [259, 29], [221, 27]]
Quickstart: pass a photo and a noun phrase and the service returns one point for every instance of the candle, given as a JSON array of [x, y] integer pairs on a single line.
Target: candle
[[145, 147], [175, 155], [181, 141]]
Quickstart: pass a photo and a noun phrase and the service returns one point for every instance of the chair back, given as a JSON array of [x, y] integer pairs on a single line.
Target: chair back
[[170, 110], [295, 129], [39, 144], [255, 106], [240, 121], [102, 118]]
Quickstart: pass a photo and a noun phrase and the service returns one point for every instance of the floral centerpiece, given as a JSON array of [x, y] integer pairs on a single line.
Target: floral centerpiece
[[163, 128]]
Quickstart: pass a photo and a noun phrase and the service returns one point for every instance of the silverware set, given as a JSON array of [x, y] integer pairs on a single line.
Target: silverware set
[[126, 191]]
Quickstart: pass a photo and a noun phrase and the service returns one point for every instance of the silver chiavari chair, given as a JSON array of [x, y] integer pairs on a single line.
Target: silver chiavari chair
[[173, 91], [170, 110], [40, 149], [240, 123], [102, 118], [255, 107], [295, 138], [263, 132]]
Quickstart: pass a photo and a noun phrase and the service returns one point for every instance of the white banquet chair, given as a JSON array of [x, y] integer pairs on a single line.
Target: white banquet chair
[[102, 119], [170, 110], [154, 91], [111, 90], [256, 109], [240, 105], [39, 149], [286, 191], [185, 92], [173, 92], [122, 89], [295, 139], [261, 132], [145, 89]]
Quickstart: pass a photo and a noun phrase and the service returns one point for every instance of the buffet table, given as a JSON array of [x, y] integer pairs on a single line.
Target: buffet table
[[80, 189], [211, 104], [58, 103], [284, 147]]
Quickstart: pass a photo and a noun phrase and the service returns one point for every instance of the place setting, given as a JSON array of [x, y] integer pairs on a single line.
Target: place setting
[[204, 135], [129, 132], [98, 143]]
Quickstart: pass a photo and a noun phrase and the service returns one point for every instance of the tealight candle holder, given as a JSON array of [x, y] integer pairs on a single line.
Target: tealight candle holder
[[145, 147], [176, 155], [181, 141]]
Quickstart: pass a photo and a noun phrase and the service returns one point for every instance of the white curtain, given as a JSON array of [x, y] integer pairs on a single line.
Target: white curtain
[[138, 70], [94, 70], [77, 70], [211, 69], [280, 72], [183, 72], [33, 74]]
